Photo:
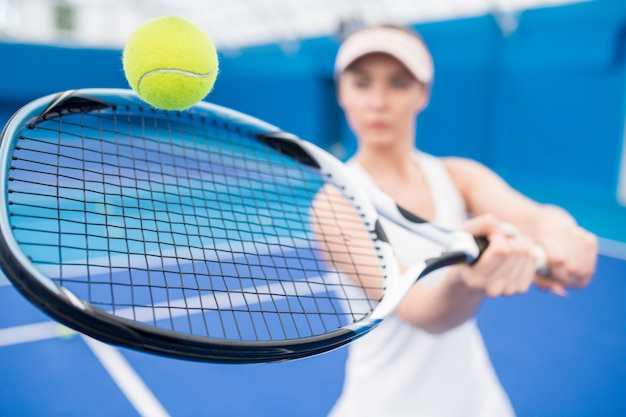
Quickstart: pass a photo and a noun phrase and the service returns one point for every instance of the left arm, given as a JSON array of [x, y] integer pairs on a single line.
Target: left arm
[[570, 249]]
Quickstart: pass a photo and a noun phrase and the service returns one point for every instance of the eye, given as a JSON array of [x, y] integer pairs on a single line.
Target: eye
[[401, 83], [361, 81]]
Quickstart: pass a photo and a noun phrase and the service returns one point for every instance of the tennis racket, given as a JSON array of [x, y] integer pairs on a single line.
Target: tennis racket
[[205, 235]]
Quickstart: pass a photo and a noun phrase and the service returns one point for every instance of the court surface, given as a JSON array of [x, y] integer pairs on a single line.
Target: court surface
[[564, 357]]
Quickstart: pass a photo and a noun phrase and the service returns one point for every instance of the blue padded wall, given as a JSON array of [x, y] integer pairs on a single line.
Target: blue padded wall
[[544, 106]]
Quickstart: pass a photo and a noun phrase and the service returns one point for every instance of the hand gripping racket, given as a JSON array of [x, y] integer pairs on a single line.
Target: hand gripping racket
[[205, 235]]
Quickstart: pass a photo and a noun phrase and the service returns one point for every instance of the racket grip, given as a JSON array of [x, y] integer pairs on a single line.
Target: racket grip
[[541, 259], [481, 243]]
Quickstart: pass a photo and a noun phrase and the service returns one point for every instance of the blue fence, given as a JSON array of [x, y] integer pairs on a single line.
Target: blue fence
[[543, 106]]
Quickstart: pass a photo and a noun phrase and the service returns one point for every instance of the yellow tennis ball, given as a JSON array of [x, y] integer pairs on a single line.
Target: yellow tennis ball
[[170, 63], [65, 332]]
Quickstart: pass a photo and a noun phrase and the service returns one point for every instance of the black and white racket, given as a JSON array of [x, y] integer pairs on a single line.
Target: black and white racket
[[205, 234]]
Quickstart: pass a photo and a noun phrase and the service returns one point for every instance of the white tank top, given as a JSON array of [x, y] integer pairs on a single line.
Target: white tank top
[[398, 370]]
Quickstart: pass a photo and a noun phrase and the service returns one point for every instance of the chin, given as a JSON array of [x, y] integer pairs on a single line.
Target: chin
[[379, 140]]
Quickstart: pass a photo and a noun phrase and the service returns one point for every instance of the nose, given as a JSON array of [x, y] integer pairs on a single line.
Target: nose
[[378, 97]]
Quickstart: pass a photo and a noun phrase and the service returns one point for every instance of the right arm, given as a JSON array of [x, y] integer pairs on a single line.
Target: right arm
[[507, 267]]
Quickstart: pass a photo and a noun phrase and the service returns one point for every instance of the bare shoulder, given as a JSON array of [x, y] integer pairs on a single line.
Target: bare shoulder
[[485, 191], [462, 164], [464, 171]]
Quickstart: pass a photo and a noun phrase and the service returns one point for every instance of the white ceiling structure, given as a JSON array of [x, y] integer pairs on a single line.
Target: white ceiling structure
[[231, 23]]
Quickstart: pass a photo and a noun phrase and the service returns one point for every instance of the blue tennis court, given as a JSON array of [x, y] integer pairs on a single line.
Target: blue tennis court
[[555, 357]]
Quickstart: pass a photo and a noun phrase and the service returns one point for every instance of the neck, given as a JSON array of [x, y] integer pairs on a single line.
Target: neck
[[395, 160]]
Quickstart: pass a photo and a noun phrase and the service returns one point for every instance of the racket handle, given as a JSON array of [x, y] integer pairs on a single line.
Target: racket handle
[[482, 243], [541, 259]]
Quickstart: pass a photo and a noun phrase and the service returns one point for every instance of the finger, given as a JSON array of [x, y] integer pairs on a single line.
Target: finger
[[483, 272], [587, 257], [483, 225], [572, 256], [573, 260], [510, 269], [548, 284], [529, 263], [521, 268], [555, 254], [515, 271]]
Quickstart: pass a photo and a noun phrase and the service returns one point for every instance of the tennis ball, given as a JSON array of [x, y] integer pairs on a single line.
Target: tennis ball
[[170, 63], [65, 332]]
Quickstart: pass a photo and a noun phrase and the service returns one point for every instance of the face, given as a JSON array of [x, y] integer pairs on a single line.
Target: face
[[381, 100]]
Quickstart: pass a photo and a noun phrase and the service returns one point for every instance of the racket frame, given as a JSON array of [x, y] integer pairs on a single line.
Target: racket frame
[[66, 308]]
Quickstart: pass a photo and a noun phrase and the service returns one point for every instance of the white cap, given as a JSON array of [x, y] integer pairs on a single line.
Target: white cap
[[407, 48]]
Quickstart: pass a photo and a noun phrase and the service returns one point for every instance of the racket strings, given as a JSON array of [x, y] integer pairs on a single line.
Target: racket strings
[[350, 246], [183, 222]]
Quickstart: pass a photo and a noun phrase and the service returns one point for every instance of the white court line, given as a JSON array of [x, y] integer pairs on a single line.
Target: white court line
[[164, 258], [621, 179], [129, 382], [30, 333], [171, 257], [51, 329], [121, 371], [612, 248]]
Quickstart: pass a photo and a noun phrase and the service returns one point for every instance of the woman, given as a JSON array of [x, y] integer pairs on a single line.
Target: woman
[[429, 359]]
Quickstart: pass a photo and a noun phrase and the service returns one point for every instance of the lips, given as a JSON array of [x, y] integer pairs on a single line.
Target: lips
[[378, 125]]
